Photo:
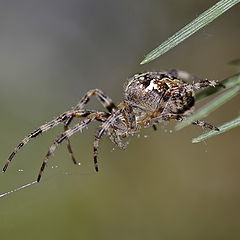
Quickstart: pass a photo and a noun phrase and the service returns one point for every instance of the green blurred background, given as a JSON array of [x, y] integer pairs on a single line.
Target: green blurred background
[[163, 186]]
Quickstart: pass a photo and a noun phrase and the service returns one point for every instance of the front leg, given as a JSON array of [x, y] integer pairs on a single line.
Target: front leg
[[199, 82], [205, 83], [205, 125]]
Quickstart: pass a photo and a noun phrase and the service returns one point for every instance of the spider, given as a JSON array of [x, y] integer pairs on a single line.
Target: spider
[[149, 98]]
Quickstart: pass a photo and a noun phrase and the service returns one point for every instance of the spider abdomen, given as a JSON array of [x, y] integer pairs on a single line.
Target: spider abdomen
[[158, 91]]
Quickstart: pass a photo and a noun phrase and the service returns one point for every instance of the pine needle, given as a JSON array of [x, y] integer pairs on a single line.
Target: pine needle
[[204, 19]]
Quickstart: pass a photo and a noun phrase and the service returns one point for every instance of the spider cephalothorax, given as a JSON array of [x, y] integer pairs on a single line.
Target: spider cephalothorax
[[149, 98]]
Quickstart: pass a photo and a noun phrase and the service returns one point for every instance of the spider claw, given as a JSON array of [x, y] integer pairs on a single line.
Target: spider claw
[[5, 167], [221, 85], [42, 169], [95, 164], [71, 153], [38, 178], [154, 127], [75, 161]]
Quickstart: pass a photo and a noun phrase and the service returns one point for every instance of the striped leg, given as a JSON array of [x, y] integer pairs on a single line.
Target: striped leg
[[61, 119], [181, 118], [101, 116], [199, 82], [103, 99], [106, 125], [69, 148], [205, 83], [205, 125]]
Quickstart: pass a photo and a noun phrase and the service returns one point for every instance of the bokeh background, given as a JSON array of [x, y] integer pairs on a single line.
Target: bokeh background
[[162, 186]]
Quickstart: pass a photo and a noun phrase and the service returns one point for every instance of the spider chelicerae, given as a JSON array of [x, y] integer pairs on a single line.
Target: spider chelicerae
[[149, 98]]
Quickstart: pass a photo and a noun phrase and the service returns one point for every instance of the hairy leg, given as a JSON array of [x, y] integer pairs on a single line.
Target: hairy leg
[[67, 134], [105, 126], [167, 117], [103, 99], [127, 123], [46, 127], [205, 83], [69, 148], [205, 125], [199, 82]]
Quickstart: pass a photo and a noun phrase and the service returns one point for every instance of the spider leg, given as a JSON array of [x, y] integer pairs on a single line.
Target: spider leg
[[204, 83], [63, 137], [205, 125], [124, 114], [104, 100], [129, 117], [100, 132], [44, 128], [197, 122], [200, 82], [180, 117], [154, 127], [69, 148], [185, 76], [67, 134]]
